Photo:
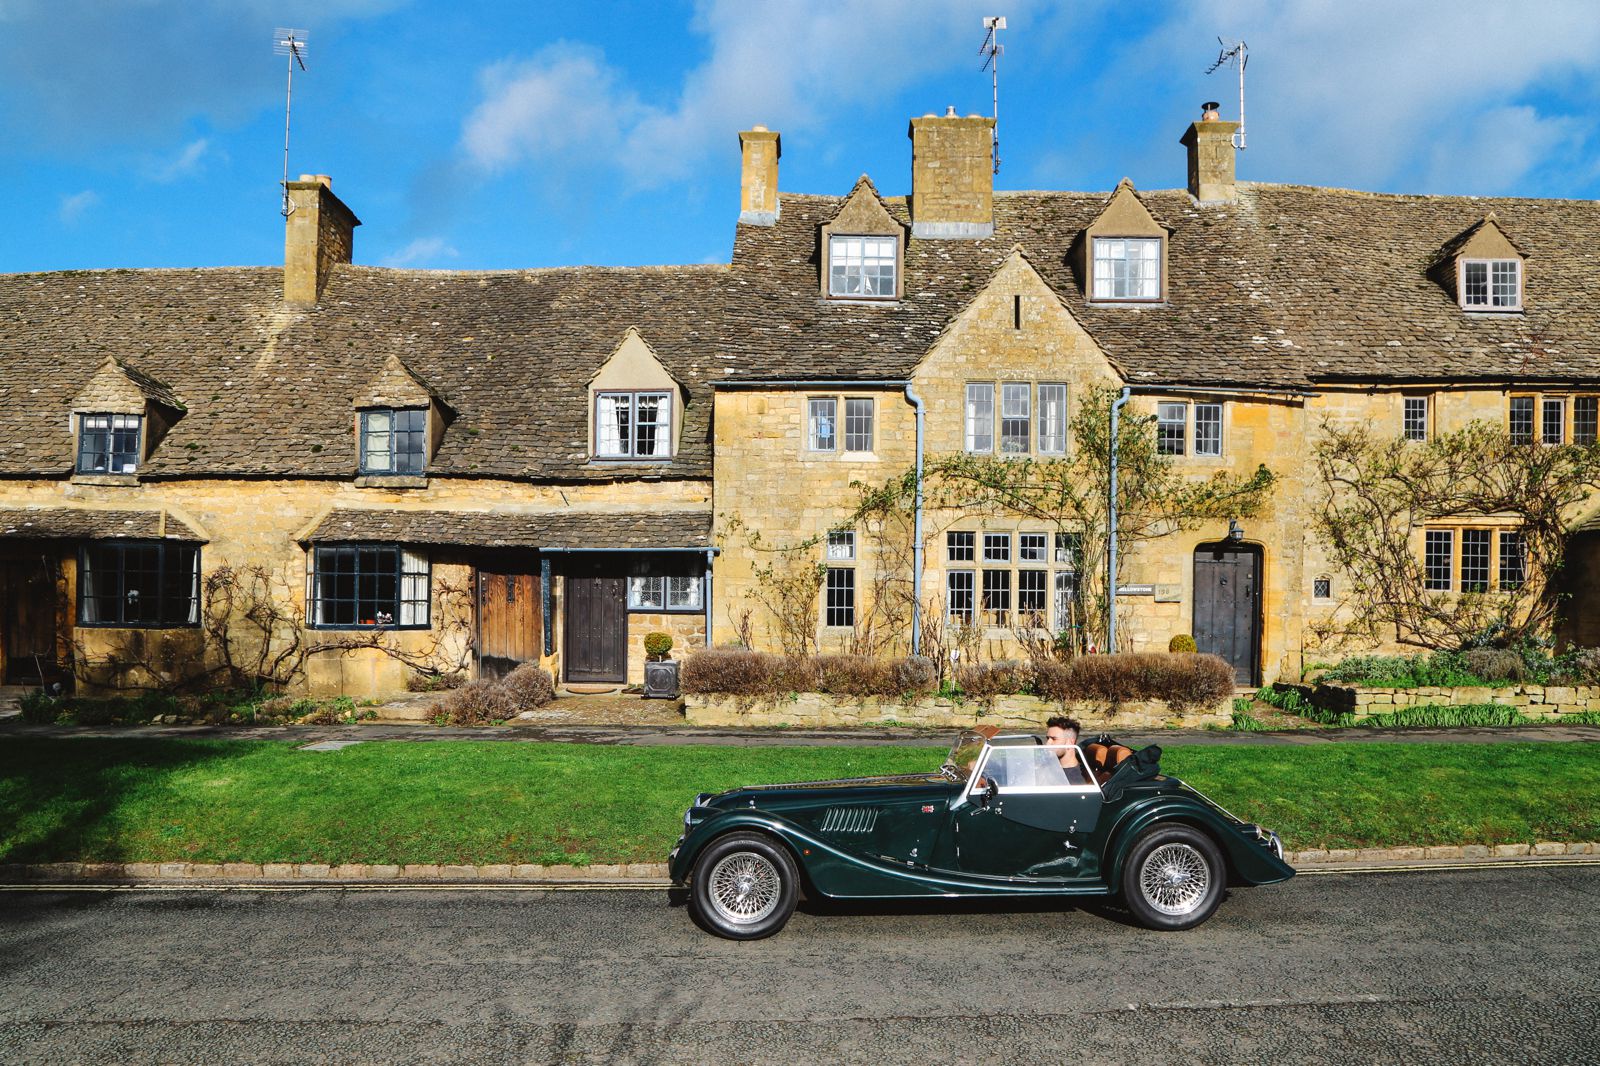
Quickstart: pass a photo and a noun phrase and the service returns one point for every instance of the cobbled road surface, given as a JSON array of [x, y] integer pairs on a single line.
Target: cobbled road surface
[[1491, 965]]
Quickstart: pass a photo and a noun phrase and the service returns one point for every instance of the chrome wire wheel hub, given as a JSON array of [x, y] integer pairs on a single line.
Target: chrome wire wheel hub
[[1174, 879], [744, 887]]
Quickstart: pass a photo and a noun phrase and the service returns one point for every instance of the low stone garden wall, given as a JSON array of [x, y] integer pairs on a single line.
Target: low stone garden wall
[[817, 709], [1535, 701]]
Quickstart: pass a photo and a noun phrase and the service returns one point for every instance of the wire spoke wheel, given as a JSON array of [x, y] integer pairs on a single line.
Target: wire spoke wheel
[[744, 887], [1174, 879]]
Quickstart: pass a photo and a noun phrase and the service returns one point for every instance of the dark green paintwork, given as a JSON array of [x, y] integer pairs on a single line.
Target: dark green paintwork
[[881, 838]]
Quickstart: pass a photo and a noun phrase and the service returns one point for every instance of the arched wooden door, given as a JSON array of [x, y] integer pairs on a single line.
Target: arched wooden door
[[1227, 606]]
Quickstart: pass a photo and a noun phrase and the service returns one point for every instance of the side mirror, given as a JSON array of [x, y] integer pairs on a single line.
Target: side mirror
[[991, 792]]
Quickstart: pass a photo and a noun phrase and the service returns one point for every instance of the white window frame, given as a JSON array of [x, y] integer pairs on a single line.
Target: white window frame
[[1214, 451], [1112, 280], [1491, 299], [1451, 543], [627, 450], [980, 424], [1052, 418], [845, 441], [1164, 417], [847, 585], [840, 546], [813, 439], [970, 576], [856, 261], [1016, 417], [1415, 429]]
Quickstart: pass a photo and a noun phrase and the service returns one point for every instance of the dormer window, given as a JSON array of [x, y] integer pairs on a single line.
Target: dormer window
[[633, 425], [394, 441], [1127, 268], [1491, 284], [108, 443], [863, 268]]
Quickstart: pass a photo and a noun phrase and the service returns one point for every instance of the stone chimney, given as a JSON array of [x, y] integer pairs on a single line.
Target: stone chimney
[[1211, 155], [319, 232], [758, 176], [952, 176]]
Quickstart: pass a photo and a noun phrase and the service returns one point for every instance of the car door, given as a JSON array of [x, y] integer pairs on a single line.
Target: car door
[[1034, 823]]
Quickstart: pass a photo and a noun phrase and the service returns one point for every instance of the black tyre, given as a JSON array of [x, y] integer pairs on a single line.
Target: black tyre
[[744, 887], [1173, 878]]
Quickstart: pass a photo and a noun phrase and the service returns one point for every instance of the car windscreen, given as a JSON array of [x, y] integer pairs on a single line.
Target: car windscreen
[[1037, 767], [964, 755]]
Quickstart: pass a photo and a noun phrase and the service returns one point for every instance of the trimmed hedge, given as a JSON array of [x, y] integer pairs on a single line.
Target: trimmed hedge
[[1181, 680]]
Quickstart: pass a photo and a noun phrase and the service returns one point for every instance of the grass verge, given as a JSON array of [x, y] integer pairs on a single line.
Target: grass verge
[[173, 800]]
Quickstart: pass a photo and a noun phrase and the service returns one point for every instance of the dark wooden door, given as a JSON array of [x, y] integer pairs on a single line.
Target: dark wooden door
[[596, 624], [509, 617], [28, 619], [1227, 606]]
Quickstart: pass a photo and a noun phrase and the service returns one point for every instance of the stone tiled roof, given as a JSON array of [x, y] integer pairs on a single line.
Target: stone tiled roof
[[78, 523], [1288, 287], [500, 529]]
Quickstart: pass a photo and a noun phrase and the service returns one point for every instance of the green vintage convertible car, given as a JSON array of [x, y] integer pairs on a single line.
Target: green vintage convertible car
[[1004, 816]]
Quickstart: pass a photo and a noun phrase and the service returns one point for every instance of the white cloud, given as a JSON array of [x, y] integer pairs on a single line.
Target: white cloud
[[74, 207], [786, 65], [421, 252], [186, 162]]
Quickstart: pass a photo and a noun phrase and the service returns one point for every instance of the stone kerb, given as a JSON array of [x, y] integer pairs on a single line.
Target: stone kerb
[[1535, 701], [819, 709]]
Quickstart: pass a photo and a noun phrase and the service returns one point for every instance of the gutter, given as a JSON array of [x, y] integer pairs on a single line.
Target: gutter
[[1111, 547], [816, 383], [916, 547]]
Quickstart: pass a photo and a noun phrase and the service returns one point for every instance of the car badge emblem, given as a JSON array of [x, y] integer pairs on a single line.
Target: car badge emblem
[[927, 808]]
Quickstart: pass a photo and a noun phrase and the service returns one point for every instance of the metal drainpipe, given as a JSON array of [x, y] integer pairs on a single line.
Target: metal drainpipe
[[916, 547], [711, 554], [1111, 547]]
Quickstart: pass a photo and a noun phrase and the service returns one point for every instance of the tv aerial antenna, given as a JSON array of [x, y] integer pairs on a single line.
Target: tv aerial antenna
[[992, 50], [291, 43], [1238, 54]]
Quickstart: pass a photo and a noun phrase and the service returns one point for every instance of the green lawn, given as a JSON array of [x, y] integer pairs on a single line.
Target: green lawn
[[115, 800]]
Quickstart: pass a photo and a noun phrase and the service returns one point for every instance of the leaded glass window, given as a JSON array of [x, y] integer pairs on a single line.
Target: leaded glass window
[[1127, 268], [394, 441], [858, 424], [139, 584], [1475, 560], [1171, 423], [633, 425], [360, 586], [1438, 560], [1416, 418], [862, 267], [1208, 429], [108, 444], [1016, 417], [980, 416], [822, 419], [1052, 419], [840, 592], [1521, 420]]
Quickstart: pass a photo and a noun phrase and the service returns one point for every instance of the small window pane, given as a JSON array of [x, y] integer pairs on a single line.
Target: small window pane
[[613, 420], [1127, 268], [1504, 290], [1475, 284], [858, 425], [1416, 418], [1521, 420], [1052, 419], [1208, 429], [652, 432], [683, 592], [960, 546], [1438, 560], [1016, 417], [1553, 421], [997, 547], [1031, 547], [842, 544], [958, 595], [1066, 592], [821, 435], [997, 597], [1322, 589], [1475, 560], [840, 607], [1585, 419], [1068, 548], [1171, 419], [1032, 598], [1512, 560], [980, 417]]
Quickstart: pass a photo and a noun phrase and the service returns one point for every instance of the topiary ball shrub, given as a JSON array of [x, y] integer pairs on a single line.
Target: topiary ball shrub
[[529, 685], [656, 645], [1183, 642]]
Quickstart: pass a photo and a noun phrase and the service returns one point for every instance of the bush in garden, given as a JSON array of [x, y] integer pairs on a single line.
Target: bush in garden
[[1182, 680], [656, 645], [478, 703], [1495, 664], [529, 685], [435, 682], [728, 671], [985, 681], [1183, 642], [856, 675], [914, 676]]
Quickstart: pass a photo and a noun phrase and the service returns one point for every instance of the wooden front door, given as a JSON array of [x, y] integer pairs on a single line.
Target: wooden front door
[[28, 620], [1227, 606], [510, 614], [596, 623]]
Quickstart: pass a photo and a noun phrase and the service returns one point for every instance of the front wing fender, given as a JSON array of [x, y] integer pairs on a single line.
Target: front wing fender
[[1248, 860]]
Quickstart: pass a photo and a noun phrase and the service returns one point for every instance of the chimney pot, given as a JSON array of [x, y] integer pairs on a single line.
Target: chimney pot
[[1208, 111], [759, 150]]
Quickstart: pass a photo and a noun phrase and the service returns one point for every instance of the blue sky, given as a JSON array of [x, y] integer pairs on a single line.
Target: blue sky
[[497, 134]]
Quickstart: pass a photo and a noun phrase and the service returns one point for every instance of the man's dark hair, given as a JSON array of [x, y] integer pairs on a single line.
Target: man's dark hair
[[1063, 722]]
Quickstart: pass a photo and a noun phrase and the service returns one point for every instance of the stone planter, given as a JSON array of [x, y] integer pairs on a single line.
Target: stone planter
[[1023, 713], [661, 680]]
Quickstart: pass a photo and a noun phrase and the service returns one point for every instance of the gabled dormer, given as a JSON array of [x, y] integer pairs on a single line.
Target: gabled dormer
[[118, 418], [863, 249], [400, 421], [1121, 257], [635, 406], [1482, 268]]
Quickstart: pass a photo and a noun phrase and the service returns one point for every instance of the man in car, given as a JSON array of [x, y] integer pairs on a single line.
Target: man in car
[[1061, 740]]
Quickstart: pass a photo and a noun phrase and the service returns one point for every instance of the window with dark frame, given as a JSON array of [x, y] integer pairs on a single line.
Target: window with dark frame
[[1513, 562], [997, 597], [394, 441], [1415, 425], [1520, 425], [863, 267], [1322, 589], [858, 424], [1438, 560], [139, 584], [959, 546], [1052, 419], [108, 444], [664, 583], [1208, 429], [1171, 423], [1552, 420], [1475, 560], [980, 417], [1016, 417], [840, 605], [366, 586], [958, 595], [997, 547], [1032, 597], [633, 425], [1585, 419]]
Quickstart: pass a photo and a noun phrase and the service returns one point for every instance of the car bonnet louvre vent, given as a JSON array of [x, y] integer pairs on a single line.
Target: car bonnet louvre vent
[[849, 819]]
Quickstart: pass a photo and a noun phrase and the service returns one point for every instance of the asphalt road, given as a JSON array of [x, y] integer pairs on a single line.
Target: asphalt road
[[1495, 966]]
